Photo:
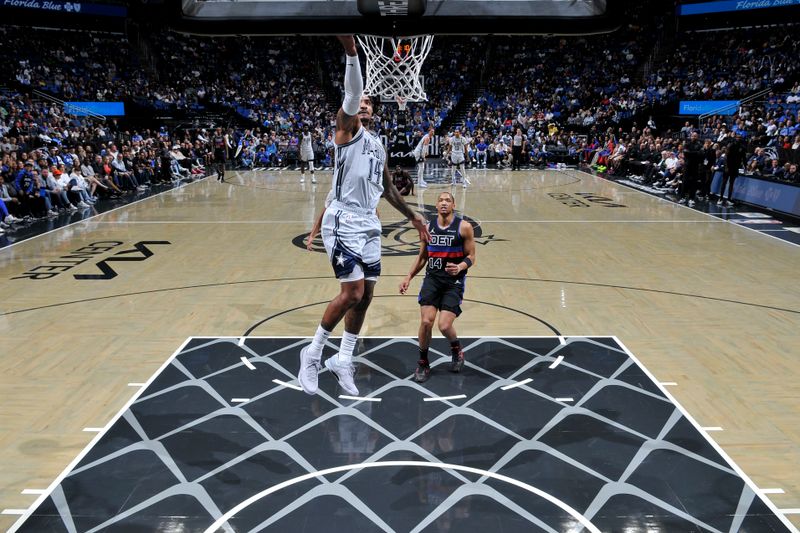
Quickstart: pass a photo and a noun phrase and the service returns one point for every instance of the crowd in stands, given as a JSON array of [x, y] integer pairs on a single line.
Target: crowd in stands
[[89, 66], [759, 140], [682, 162], [52, 163], [567, 95], [275, 82], [555, 79], [726, 65], [592, 81]]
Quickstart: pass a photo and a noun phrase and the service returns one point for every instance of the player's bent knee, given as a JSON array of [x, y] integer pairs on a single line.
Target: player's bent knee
[[363, 302], [352, 300], [352, 293], [428, 318]]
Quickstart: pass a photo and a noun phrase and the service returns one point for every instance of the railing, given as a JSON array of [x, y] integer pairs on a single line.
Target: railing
[[728, 107], [69, 108], [647, 67]]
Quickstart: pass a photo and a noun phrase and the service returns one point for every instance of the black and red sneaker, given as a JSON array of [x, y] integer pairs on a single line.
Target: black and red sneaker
[[423, 371], [458, 361]]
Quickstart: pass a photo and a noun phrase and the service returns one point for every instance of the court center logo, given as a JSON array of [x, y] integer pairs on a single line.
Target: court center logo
[[401, 239]]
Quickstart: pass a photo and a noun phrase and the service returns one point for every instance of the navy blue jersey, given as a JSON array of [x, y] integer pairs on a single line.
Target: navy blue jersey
[[446, 246]]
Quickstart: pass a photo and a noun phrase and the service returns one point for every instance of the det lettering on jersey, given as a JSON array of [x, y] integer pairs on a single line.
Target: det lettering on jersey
[[442, 240]]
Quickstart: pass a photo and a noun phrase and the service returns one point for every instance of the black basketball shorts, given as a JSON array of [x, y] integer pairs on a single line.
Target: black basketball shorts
[[443, 294]]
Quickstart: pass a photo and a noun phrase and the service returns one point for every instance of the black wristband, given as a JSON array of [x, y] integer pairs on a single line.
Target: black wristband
[[468, 262]]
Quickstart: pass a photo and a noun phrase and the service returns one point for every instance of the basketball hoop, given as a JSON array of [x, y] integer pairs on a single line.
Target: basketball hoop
[[394, 65]]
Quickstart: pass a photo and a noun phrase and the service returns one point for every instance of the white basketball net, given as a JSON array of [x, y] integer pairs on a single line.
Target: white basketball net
[[393, 66]]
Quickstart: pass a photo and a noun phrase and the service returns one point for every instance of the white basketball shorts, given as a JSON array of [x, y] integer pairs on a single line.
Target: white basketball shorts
[[353, 243]]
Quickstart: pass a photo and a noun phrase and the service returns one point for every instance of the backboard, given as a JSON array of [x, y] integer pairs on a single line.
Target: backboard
[[397, 17]]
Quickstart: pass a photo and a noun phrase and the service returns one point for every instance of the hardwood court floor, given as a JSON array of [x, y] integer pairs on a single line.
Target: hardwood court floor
[[704, 303]]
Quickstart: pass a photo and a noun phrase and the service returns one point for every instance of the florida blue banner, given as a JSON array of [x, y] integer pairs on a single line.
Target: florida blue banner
[[62, 6], [732, 5], [107, 109], [699, 107]]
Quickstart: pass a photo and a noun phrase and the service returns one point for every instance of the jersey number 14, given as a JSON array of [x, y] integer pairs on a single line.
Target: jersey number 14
[[375, 170]]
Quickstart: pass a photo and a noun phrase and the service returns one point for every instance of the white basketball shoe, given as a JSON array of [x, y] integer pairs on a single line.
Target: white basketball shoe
[[344, 374], [309, 372]]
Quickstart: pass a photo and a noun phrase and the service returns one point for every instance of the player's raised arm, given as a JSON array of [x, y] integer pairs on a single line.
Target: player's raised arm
[[395, 199], [347, 122]]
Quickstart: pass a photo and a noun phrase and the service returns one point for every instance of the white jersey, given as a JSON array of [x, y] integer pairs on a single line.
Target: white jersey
[[305, 146], [358, 174], [457, 145], [421, 149]]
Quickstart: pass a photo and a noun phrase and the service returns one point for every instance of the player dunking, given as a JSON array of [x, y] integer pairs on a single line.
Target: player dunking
[[421, 154], [446, 258], [351, 230], [306, 155]]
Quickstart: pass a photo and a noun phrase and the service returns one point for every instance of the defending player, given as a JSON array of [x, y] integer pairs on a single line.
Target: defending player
[[446, 258]]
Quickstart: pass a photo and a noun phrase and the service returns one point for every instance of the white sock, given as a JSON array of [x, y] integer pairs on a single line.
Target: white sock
[[320, 337], [345, 356]]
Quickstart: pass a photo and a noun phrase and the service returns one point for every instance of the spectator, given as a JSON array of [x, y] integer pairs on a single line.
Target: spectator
[[481, 152], [792, 175], [12, 204]]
